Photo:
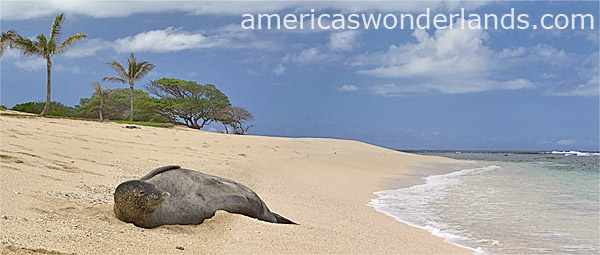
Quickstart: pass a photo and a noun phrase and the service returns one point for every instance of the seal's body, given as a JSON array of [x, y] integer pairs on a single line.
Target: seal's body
[[171, 195]]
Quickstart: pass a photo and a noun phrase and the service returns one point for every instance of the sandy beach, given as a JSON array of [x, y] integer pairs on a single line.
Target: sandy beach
[[58, 178]]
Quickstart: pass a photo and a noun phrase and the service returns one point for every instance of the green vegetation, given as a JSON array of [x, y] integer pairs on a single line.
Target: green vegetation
[[196, 105], [3, 108], [43, 47], [135, 71], [100, 93], [55, 109], [117, 106], [234, 116]]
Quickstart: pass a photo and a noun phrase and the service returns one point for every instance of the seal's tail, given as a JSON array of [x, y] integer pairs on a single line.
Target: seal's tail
[[158, 171], [283, 220]]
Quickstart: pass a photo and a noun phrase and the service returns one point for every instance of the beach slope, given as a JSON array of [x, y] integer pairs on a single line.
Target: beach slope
[[58, 178]]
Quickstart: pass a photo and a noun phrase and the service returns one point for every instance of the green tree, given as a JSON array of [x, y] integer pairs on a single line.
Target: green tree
[[194, 103], [117, 106], [100, 93], [44, 47], [135, 71], [6, 40], [235, 117], [56, 108]]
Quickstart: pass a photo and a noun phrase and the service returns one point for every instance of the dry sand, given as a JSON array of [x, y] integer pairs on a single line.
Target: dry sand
[[58, 176]]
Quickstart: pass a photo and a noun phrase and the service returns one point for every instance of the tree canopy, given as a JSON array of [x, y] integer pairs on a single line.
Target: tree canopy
[[234, 116], [195, 104], [117, 106]]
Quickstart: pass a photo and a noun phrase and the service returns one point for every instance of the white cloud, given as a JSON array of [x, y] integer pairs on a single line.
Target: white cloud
[[309, 55], [450, 61], [88, 48], [174, 39], [453, 52], [348, 88], [547, 75], [515, 52], [235, 37], [567, 142], [166, 40], [450, 86], [589, 88], [72, 69], [31, 64], [11, 54], [343, 40], [393, 89], [574, 74], [516, 84], [305, 56], [20, 10], [280, 69]]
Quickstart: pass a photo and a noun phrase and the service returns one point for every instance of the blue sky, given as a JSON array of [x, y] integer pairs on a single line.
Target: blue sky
[[473, 89]]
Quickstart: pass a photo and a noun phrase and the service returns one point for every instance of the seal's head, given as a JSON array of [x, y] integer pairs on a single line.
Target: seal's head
[[135, 199]]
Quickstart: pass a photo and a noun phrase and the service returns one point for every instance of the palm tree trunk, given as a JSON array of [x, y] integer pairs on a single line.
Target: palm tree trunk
[[101, 108], [131, 86], [47, 105]]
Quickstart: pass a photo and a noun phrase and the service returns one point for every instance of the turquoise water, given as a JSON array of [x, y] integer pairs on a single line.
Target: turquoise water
[[516, 203]]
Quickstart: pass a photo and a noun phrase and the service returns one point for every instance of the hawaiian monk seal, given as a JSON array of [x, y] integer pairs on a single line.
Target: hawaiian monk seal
[[171, 195]]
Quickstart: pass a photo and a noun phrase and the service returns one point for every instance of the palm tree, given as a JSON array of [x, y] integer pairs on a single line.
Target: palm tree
[[6, 40], [102, 94], [135, 71], [43, 47]]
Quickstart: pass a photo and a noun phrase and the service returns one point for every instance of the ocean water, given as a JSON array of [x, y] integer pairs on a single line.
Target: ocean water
[[515, 203]]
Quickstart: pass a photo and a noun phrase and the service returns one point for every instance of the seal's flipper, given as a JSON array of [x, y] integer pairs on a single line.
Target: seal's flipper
[[158, 171], [283, 220]]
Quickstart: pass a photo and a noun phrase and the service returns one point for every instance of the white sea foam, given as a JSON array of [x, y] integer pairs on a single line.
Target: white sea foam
[[576, 153], [535, 206], [416, 199]]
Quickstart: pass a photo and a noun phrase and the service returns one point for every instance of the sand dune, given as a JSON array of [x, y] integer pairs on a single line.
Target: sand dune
[[58, 175]]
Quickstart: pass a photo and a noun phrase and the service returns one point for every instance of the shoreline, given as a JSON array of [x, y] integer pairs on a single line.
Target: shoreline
[[425, 171], [58, 176]]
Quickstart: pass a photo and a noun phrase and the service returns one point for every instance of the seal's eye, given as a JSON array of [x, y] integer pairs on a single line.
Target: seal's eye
[[142, 192]]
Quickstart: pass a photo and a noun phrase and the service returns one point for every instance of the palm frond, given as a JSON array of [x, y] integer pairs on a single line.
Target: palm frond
[[119, 69], [68, 43], [7, 39], [102, 93], [131, 65], [114, 79], [56, 29], [143, 69], [28, 47], [97, 87], [106, 93]]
